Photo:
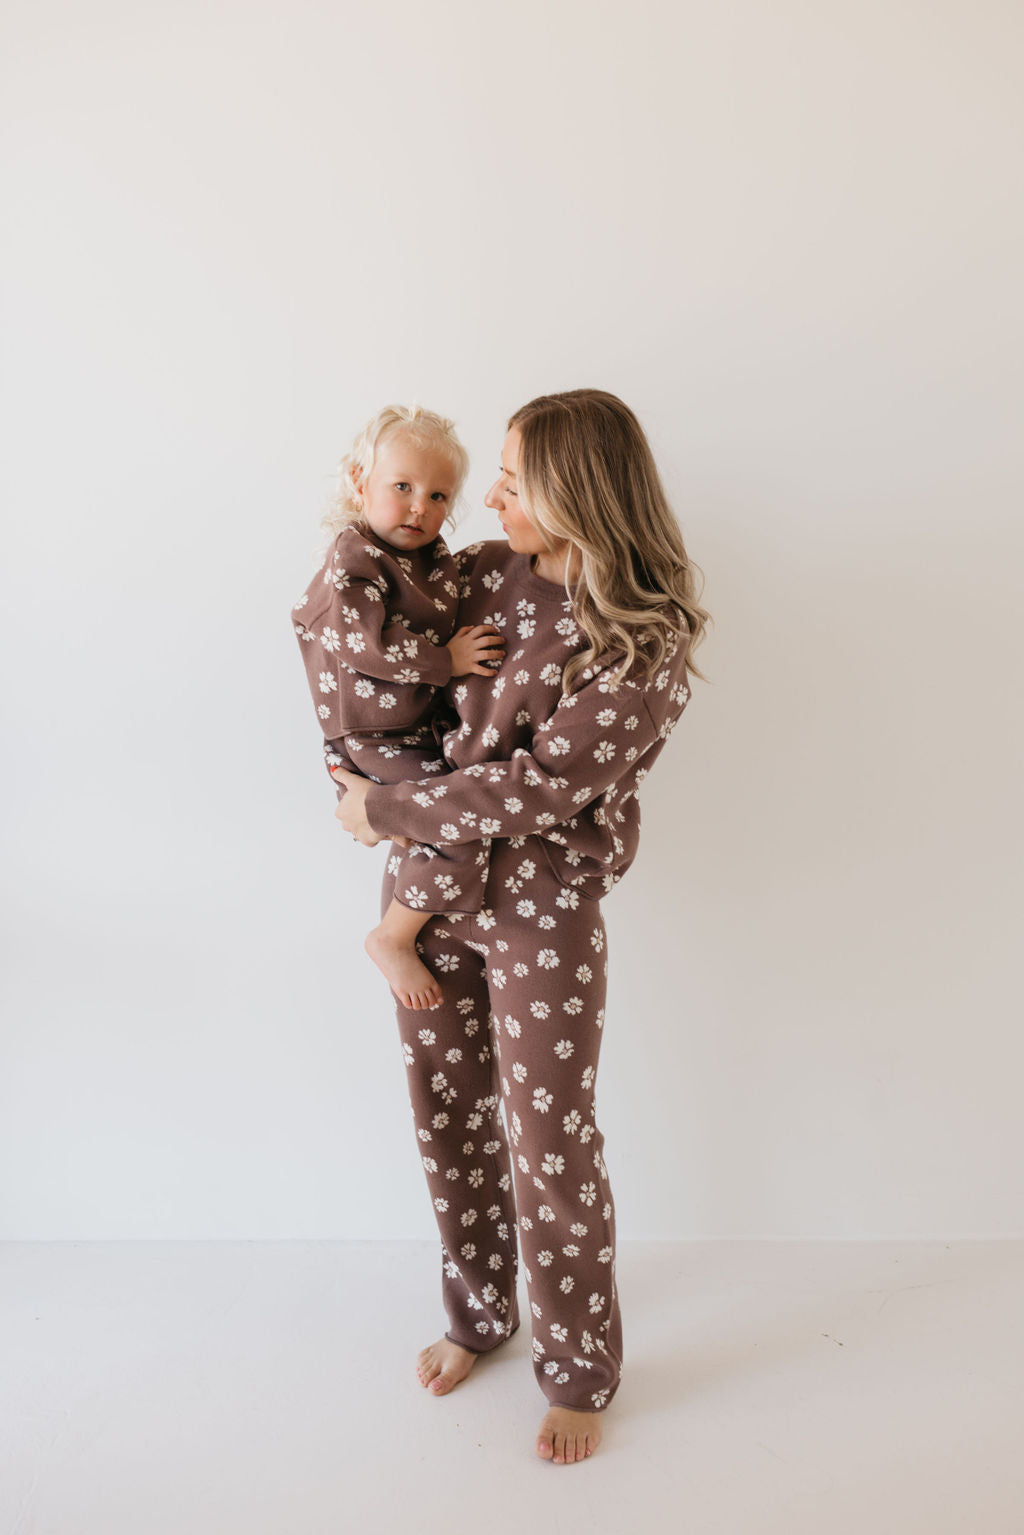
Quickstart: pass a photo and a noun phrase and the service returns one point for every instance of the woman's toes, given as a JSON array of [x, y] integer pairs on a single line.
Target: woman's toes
[[426, 1368], [442, 1366], [566, 1436]]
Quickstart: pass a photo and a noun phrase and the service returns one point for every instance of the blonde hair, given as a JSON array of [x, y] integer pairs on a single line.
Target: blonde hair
[[425, 427], [586, 475]]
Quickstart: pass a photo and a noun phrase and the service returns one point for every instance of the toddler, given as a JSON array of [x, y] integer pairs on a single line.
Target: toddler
[[376, 627]]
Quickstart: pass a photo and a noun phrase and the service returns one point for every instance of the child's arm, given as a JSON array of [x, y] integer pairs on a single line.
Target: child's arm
[[352, 633], [349, 649]]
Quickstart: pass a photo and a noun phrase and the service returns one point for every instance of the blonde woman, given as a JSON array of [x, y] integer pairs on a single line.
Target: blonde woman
[[597, 602]]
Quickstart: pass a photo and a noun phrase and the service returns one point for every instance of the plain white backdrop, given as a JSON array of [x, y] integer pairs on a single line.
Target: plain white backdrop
[[788, 235]]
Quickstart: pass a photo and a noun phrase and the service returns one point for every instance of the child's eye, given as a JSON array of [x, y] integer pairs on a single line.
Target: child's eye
[[438, 495], [402, 485]]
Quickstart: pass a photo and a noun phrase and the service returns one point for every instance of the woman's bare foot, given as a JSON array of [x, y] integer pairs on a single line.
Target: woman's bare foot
[[406, 974], [565, 1436], [442, 1365]]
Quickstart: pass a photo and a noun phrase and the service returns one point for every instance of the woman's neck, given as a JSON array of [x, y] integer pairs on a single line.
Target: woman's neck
[[552, 565]]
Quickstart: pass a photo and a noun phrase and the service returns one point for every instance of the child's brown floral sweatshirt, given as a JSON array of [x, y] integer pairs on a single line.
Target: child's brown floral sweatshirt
[[373, 626]]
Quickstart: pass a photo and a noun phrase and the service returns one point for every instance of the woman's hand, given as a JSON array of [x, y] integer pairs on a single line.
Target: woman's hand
[[351, 811]]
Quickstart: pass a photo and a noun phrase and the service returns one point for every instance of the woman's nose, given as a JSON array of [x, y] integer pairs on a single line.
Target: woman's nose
[[493, 497]]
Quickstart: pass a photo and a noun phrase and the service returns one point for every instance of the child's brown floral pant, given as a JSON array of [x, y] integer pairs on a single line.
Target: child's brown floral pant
[[449, 877], [521, 1020]]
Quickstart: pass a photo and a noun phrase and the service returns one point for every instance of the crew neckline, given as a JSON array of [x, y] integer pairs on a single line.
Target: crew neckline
[[550, 591], [395, 553]]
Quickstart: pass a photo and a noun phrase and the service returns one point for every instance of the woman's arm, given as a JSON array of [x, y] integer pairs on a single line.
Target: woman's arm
[[594, 738]]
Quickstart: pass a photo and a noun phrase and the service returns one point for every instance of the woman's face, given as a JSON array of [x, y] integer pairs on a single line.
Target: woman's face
[[524, 536]]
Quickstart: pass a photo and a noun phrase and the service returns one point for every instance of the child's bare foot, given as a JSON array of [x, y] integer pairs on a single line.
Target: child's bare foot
[[565, 1436], [442, 1365], [406, 974]]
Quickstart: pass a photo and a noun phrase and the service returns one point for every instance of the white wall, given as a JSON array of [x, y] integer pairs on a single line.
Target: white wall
[[788, 234]]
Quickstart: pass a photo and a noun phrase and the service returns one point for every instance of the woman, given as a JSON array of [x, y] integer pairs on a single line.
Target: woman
[[596, 600]]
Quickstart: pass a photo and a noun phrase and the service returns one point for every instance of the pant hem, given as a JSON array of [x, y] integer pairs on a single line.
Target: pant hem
[[471, 1350]]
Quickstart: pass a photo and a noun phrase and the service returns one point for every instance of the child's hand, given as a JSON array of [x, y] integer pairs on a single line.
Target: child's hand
[[472, 648]]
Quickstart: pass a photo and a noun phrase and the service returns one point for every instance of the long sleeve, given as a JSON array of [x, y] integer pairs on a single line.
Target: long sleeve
[[596, 740], [366, 667]]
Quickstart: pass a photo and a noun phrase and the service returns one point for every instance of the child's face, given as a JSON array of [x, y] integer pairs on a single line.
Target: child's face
[[407, 493]]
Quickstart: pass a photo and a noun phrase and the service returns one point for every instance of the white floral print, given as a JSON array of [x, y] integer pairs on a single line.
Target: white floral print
[[509, 788]]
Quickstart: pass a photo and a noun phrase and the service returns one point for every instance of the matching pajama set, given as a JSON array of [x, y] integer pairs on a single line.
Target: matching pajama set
[[373, 627], [544, 785]]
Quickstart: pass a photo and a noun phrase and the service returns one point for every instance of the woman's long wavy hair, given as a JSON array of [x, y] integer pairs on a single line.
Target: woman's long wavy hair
[[586, 475], [424, 427]]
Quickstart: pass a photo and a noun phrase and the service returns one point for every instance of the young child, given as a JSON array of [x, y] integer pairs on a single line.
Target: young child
[[377, 632]]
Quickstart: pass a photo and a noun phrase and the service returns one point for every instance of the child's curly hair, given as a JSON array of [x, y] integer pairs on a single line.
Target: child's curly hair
[[424, 427]]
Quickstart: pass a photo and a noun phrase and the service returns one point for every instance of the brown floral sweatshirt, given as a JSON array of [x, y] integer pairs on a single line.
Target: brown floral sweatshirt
[[373, 626], [528, 758]]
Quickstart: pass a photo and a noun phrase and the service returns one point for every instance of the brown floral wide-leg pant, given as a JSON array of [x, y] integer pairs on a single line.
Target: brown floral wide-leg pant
[[520, 1023]]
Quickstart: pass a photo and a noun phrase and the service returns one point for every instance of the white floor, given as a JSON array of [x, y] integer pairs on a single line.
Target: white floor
[[268, 1388]]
